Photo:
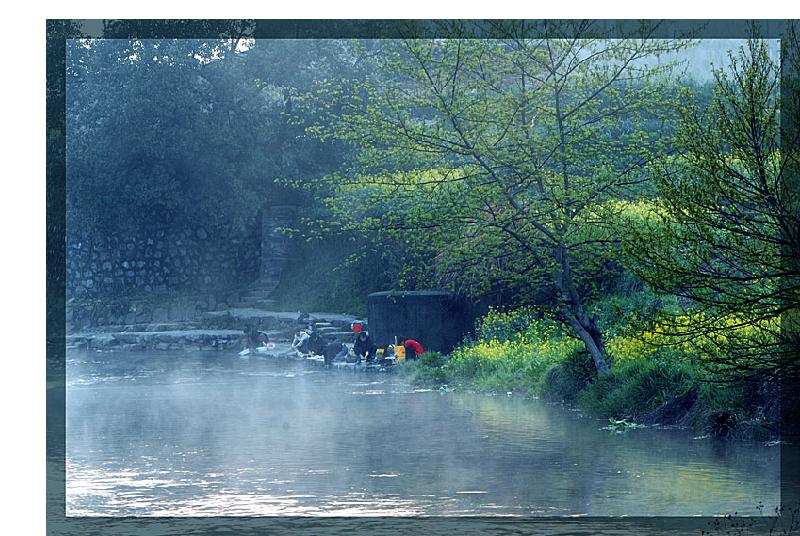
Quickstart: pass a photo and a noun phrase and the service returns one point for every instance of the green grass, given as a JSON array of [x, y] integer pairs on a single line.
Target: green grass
[[519, 351], [563, 381], [509, 361], [634, 389], [427, 371]]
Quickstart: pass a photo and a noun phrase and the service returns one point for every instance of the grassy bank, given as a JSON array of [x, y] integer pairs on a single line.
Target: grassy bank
[[649, 382]]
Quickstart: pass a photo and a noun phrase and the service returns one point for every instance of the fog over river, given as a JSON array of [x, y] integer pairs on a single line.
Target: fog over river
[[208, 434]]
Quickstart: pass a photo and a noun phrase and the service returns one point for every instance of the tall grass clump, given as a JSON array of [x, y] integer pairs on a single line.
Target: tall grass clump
[[563, 381], [427, 371], [636, 388]]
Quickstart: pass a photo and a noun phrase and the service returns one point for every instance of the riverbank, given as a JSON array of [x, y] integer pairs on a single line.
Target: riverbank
[[520, 354], [647, 396]]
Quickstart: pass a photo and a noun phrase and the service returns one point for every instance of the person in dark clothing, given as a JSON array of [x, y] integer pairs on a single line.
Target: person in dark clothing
[[255, 338], [332, 351], [316, 343], [363, 348]]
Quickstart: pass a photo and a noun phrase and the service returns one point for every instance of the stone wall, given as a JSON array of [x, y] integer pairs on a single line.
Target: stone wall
[[167, 275], [160, 260], [144, 312]]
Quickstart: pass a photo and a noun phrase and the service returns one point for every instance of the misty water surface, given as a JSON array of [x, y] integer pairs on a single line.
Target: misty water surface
[[209, 434]]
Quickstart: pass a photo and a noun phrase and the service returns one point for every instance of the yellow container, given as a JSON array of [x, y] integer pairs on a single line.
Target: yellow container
[[400, 351]]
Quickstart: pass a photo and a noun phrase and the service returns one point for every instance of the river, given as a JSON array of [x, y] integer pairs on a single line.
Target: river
[[210, 434]]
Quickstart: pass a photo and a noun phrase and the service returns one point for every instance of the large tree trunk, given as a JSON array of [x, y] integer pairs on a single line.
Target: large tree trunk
[[585, 326], [593, 340]]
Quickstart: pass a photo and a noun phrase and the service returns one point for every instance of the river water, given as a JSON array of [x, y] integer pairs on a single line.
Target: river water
[[209, 434]]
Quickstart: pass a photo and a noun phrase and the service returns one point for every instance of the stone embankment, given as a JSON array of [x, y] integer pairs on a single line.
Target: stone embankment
[[213, 330]]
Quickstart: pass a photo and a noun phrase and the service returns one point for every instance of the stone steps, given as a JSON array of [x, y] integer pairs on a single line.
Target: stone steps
[[193, 339], [183, 340], [237, 317], [257, 298], [214, 330], [266, 305], [153, 326]]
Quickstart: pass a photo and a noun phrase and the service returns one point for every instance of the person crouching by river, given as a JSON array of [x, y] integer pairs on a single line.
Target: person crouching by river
[[413, 349], [300, 343], [316, 342], [308, 342], [334, 351], [363, 348], [255, 339]]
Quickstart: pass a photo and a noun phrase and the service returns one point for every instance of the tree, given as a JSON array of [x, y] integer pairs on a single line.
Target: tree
[[492, 160], [723, 231], [181, 131], [150, 137]]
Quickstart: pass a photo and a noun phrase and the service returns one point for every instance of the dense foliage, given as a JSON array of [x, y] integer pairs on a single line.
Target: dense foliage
[[487, 159], [174, 131], [723, 230], [642, 228]]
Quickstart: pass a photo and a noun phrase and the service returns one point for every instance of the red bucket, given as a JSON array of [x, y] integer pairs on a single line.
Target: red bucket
[[357, 327]]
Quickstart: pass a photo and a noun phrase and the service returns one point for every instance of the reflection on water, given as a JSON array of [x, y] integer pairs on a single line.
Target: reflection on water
[[205, 434]]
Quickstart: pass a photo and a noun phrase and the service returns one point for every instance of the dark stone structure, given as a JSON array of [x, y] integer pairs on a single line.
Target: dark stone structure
[[437, 319]]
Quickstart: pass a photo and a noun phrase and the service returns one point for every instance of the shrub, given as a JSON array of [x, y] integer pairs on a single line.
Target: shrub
[[509, 325], [635, 388], [624, 349], [426, 371], [724, 396], [516, 363], [695, 336], [565, 380], [431, 359]]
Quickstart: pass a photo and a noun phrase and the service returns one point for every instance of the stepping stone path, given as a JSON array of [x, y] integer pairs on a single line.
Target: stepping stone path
[[214, 330], [219, 330]]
